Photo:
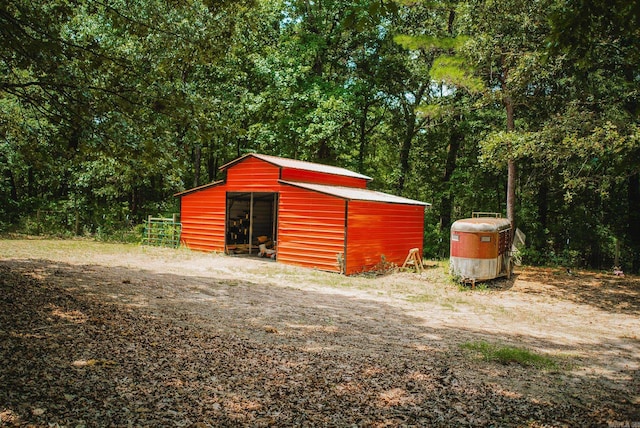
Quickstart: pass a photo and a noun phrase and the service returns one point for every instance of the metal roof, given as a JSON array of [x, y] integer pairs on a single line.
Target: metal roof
[[202, 187], [353, 193], [298, 164], [481, 224]]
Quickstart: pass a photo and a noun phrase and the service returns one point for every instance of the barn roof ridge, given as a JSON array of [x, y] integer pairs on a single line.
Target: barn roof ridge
[[299, 164], [355, 193]]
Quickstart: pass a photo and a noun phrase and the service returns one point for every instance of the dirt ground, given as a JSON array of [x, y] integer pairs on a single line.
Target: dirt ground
[[120, 335]]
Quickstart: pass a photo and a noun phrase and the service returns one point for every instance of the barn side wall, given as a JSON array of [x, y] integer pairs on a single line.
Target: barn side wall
[[310, 229], [376, 228], [202, 214], [289, 174]]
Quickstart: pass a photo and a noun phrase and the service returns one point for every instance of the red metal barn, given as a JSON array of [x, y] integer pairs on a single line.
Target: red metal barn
[[316, 215]]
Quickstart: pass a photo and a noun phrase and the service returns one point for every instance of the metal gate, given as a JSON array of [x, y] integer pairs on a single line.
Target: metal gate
[[162, 232]]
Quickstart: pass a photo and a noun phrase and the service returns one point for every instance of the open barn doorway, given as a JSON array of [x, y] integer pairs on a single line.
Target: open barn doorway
[[251, 223]]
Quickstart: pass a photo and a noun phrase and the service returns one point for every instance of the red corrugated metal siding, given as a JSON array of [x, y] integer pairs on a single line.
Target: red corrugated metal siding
[[469, 245], [202, 215], [311, 225], [377, 228], [289, 174], [310, 229], [253, 175]]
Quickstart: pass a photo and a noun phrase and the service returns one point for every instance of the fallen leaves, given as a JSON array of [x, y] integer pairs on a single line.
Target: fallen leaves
[[9, 417], [73, 315], [395, 397], [100, 360]]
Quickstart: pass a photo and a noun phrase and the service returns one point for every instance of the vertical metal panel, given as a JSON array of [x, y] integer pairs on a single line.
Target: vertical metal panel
[[253, 175], [202, 215], [290, 174], [376, 228], [310, 229], [504, 242]]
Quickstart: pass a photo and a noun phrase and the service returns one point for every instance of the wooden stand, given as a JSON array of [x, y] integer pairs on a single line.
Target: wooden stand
[[414, 259]]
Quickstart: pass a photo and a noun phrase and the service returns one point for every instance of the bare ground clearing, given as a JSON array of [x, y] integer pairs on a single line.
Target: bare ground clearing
[[118, 335]]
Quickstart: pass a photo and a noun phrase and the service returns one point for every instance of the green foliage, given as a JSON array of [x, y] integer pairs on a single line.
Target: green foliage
[[455, 71], [548, 257], [108, 109], [508, 354], [436, 241], [130, 235], [430, 42]]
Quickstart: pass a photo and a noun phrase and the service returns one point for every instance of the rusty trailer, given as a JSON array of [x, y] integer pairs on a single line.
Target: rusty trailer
[[480, 248]]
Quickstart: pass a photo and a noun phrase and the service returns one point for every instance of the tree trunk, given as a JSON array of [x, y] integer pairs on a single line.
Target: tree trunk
[[212, 165], [511, 193], [30, 183], [134, 202], [12, 183], [633, 230], [511, 168], [455, 141], [324, 151], [364, 131], [446, 201], [197, 158], [542, 203], [405, 151], [409, 111], [363, 140]]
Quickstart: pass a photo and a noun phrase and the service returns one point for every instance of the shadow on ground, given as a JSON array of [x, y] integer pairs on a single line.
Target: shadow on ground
[[601, 290], [102, 346]]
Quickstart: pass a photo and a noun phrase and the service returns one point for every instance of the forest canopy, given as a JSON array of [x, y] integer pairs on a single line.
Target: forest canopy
[[109, 108]]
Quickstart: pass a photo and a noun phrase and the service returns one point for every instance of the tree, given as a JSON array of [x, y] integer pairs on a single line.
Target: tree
[[121, 95], [452, 77], [503, 37], [600, 40]]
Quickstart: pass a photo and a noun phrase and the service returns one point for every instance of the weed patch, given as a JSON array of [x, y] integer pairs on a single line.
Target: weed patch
[[420, 298], [510, 354]]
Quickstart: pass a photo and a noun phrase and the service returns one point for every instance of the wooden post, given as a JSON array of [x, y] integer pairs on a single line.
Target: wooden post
[[274, 214], [77, 227]]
